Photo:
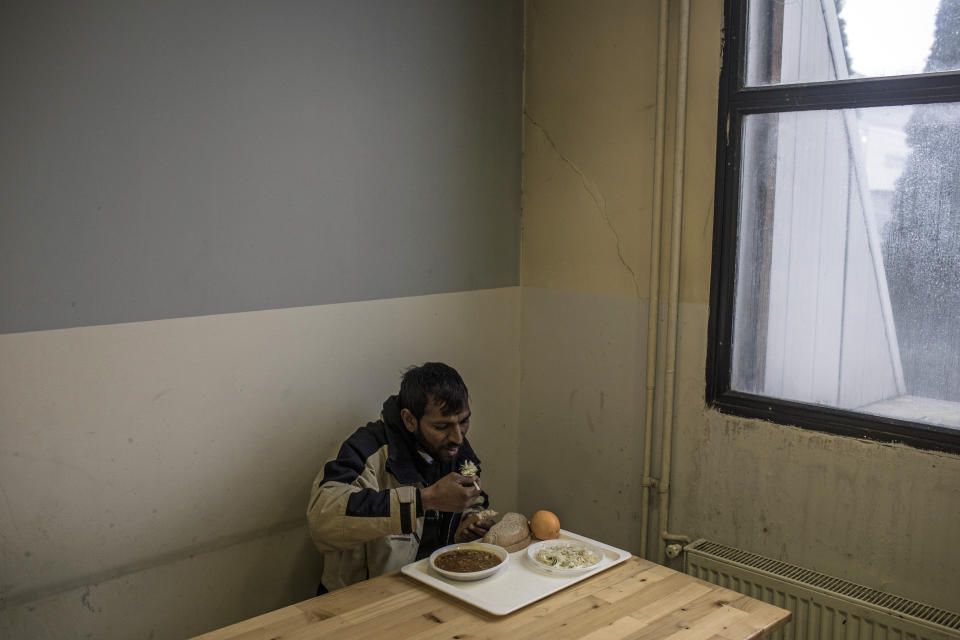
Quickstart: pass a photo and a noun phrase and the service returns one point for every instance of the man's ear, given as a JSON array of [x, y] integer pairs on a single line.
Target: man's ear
[[408, 420]]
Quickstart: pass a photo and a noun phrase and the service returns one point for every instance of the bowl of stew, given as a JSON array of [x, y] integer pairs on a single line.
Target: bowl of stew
[[469, 560]]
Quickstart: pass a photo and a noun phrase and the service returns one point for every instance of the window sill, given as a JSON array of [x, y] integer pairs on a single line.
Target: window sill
[[917, 409]]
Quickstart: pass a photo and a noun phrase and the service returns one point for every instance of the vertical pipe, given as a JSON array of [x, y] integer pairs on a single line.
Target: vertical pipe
[[673, 311], [653, 314]]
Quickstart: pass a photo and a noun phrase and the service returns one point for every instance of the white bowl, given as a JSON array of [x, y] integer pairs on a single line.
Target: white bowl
[[500, 552], [573, 571]]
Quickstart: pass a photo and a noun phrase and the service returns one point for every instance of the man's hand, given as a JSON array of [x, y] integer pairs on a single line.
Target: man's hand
[[473, 530], [453, 492]]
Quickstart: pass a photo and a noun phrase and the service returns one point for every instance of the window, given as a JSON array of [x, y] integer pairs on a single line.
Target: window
[[835, 301]]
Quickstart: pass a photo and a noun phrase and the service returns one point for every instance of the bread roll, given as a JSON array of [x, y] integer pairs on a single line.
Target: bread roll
[[512, 530], [522, 544]]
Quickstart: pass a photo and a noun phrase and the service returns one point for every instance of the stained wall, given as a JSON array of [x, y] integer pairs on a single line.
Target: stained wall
[[877, 514]]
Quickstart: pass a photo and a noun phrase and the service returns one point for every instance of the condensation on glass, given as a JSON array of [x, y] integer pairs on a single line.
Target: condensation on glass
[[792, 41], [848, 273]]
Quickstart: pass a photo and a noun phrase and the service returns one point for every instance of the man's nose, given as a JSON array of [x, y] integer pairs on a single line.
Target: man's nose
[[456, 436]]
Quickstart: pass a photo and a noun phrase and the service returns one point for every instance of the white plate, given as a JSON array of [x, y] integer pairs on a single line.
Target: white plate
[[500, 552], [533, 549], [518, 585]]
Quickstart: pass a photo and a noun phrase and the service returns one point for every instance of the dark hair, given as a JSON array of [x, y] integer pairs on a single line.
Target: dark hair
[[436, 380]]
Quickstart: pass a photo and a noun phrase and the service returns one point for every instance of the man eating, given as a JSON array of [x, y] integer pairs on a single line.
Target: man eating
[[395, 492]]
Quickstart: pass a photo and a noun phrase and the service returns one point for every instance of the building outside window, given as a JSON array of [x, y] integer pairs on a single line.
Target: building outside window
[[836, 289]]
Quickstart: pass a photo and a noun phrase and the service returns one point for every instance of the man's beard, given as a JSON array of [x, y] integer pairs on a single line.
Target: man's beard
[[434, 453]]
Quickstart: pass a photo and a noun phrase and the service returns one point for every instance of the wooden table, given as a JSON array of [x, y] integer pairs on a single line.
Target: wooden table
[[635, 599]]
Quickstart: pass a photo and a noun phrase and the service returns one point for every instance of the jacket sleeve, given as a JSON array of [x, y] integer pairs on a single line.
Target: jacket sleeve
[[348, 504]]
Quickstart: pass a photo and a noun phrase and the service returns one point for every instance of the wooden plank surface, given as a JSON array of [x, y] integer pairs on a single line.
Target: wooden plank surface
[[634, 600]]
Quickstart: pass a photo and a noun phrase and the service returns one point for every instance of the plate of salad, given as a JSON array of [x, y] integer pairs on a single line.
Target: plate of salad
[[564, 557]]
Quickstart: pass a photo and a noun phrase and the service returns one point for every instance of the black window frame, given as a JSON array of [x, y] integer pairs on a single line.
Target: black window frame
[[736, 100]]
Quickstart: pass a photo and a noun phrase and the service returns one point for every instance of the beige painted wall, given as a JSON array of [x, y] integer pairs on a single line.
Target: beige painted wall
[[589, 115], [581, 402], [155, 475], [882, 515]]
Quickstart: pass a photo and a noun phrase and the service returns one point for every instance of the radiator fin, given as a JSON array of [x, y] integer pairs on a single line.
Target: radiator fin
[[824, 607]]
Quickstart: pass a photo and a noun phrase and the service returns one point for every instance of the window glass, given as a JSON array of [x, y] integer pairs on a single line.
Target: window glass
[[847, 289], [791, 41]]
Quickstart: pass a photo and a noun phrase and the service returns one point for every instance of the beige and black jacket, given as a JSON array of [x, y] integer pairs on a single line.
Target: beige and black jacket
[[365, 513]]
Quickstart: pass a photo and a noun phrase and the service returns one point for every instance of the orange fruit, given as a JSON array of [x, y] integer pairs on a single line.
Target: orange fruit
[[545, 525]]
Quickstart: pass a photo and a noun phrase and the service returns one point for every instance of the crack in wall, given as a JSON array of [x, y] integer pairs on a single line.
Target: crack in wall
[[85, 599], [592, 191]]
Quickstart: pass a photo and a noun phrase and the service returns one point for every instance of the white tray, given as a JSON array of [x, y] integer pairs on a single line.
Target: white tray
[[516, 585]]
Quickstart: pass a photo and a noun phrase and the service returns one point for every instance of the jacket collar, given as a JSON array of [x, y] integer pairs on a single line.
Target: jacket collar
[[402, 447]]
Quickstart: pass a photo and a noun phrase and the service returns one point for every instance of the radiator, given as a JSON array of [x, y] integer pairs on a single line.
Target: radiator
[[823, 607]]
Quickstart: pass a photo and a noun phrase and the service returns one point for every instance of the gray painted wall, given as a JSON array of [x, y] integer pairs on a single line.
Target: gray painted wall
[[169, 159]]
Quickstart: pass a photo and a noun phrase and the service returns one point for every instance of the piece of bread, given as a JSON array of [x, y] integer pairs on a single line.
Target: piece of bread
[[511, 530], [469, 518], [475, 516]]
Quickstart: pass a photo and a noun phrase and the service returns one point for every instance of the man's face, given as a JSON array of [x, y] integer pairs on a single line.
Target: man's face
[[439, 435]]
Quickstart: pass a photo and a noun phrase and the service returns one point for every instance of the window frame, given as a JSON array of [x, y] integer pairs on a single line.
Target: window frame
[[736, 101]]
